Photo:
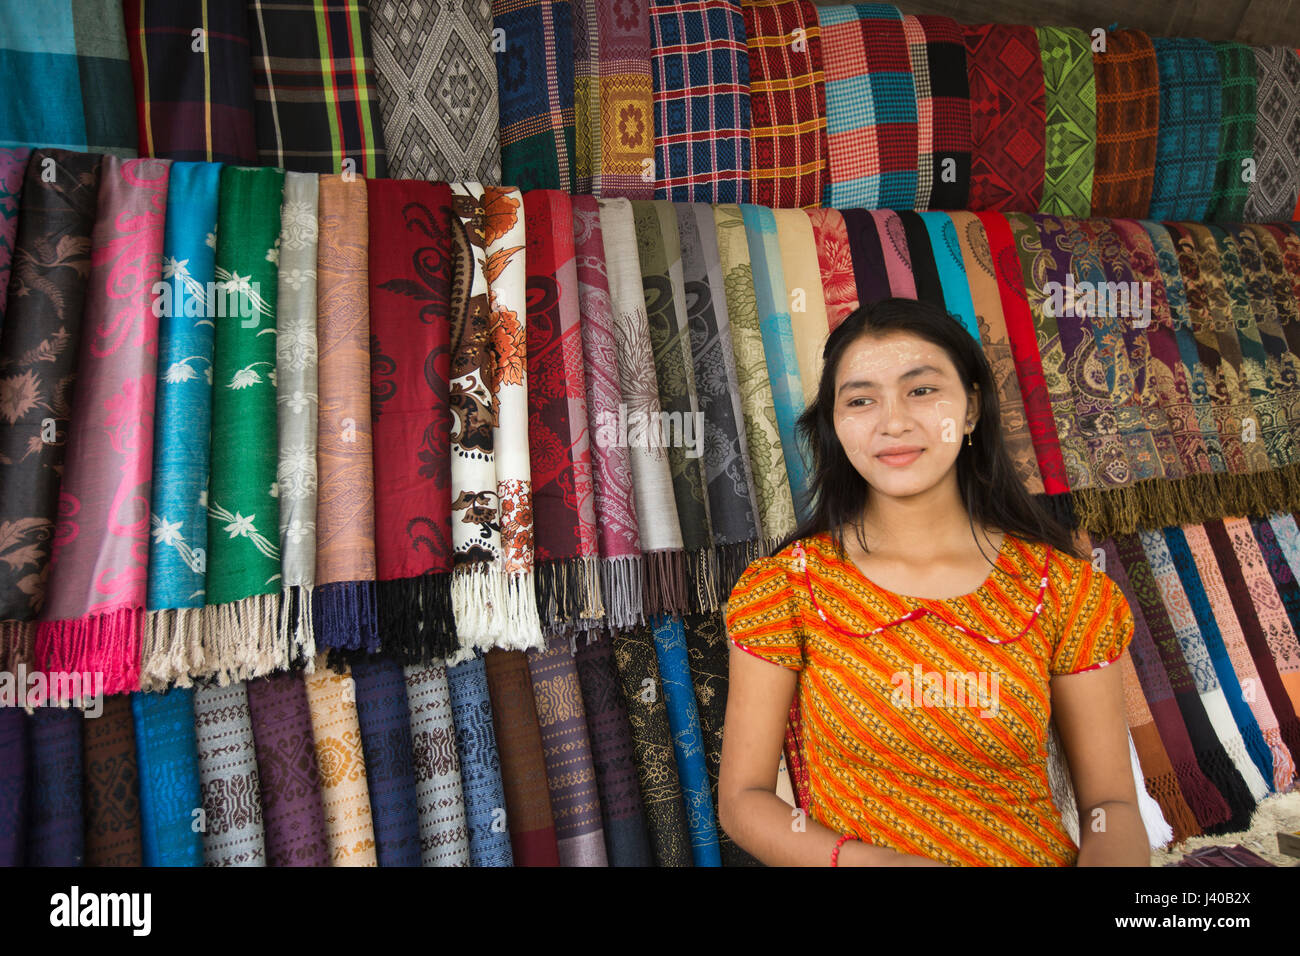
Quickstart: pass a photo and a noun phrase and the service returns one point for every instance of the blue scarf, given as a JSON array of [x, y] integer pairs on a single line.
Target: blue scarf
[[167, 754], [480, 764], [952, 270]]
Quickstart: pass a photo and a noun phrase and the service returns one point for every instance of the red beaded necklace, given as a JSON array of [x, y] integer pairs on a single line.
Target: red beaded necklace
[[801, 564]]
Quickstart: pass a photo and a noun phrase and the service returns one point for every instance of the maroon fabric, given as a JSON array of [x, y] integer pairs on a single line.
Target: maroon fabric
[[1008, 121]]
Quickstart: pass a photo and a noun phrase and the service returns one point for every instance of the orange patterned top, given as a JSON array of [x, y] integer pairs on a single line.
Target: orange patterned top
[[923, 738]]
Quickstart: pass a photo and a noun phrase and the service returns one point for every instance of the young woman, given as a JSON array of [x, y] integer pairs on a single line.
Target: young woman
[[932, 618]]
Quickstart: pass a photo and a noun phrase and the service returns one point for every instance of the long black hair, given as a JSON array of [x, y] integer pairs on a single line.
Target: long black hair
[[986, 477]]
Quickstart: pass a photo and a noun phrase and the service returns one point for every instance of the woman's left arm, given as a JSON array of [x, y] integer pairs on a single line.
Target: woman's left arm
[[1089, 712]]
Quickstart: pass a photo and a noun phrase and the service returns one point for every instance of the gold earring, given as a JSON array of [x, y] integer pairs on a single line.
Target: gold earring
[[970, 442]]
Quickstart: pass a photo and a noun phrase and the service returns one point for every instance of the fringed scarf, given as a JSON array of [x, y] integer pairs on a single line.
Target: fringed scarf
[[981, 274], [529, 813], [873, 275], [13, 167], [480, 764], [835, 263], [807, 303], [410, 275], [652, 741], [178, 519], [93, 617], [701, 97], [627, 103], [733, 509], [14, 769], [952, 271], [341, 762], [1271, 194], [1128, 122], [440, 801], [308, 118], [570, 771], [1237, 88], [1187, 149], [663, 557], [39, 347], [871, 103], [559, 437], [111, 787], [383, 713], [445, 129], [287, 773], [1070, 131], [55, 826], [535, 73], [232, 796], [192, 107], [787, 102], [623, 821], [1007, 118], [168, 755], [586, 95], [616, 517]]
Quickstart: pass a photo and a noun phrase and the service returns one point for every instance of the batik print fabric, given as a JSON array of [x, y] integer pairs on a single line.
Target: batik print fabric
[[536, 91]]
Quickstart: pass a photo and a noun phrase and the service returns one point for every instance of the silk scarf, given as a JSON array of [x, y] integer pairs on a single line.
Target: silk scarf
[[868, 245], [13, 167], [835, 264], [1191, 108], [1070, 121], [55, 829], [1237, 133], [111, 788], [440, 800], [1128, 118], [480, 764], [383, 713], [1272, 193], [952, 271], [341, 763], [808, 320], [1007, 117], [920, 260], [536, 93], [627, 103], [168, 758], [232, 798]]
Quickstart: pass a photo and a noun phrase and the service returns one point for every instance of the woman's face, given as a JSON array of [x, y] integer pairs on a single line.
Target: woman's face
[[901, 412]]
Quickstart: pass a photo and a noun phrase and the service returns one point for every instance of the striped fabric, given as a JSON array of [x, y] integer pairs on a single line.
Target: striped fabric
[[535, 76], [1237, 132], [950, 118], [787, 103], [993, 797], [701, 86], [1187, 151], [1070, 134], [870, 107], [315, 101], [1007, 118], [1128, 118]]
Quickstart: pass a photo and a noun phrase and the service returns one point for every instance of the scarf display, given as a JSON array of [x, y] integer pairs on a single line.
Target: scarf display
[[952, 271], [835, 263], [867, 243], [1275, 615], [1238, 106], [410, 274], [440, 801], [1271, 195], [1187, 148], [192, 108], [1007, 117], [480, 764], [13, 166], [700, 64], [297, 397], [75, 65], [39, 346], [383, 713], [232, 793], [570, 770], [93, 617], [563, 506], [306, 118], [653, 747], [241, 624], [807, 304], [787, 103], [536, 93], [1070, 126], [341, 764], [1127, 84], [287, 773], [55, 829], [13, 784], [167, 752], [111, 787], [627, 103], [623, 821], [663, 557], [619, 540], [950, 114], [178, 519], [436, 83], [871, 118], [529, 813]]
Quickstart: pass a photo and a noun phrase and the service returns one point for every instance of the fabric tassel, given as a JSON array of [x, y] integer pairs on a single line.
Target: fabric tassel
[[621, 583], [344, 611], [665, 582], [1159, 832]]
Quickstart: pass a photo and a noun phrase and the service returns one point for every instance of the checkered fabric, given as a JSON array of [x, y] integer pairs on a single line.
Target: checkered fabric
[[1007, 117], [950, 142], [1187, 150], [1128, 120], [919, 56], [536, 91]]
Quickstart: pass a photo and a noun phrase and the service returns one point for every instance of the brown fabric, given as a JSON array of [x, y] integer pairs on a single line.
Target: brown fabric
[[1128, 120], [112, 794]]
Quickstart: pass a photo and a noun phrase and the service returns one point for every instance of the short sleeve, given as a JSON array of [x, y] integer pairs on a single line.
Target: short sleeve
[[761, 615], [1096, 623]]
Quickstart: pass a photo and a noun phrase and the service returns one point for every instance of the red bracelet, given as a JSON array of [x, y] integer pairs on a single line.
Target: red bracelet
[[835, 853]]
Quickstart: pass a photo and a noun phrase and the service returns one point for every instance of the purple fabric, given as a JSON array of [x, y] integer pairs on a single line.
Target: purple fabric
[[869, 271], [13, 784], [54, 823]]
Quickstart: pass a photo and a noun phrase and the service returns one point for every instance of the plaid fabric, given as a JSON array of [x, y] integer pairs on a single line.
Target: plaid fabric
[[787, 103], [949, 86], [701, 87], [627, 133], [535, 76], [1006, 117], [1272, 195], [1187, 150], [1236, 132], [870, 107], [192, 105], [1070, 133], [314, 93], [1128, 118], [67, 76], [919, 57]]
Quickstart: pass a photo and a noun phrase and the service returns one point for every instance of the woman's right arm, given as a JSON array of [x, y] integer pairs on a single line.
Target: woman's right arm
[[758, 707]]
